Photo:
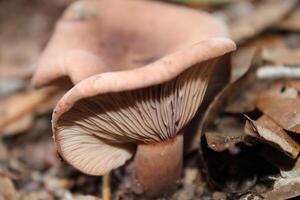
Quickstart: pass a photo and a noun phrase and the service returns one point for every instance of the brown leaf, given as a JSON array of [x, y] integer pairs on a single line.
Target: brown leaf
[[283, 111], [241, 61], [259, 89], [273, 89], [265, 130], [284, 51]]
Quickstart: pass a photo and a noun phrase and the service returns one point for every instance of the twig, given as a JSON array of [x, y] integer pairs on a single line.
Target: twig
[[106, 192], [274, 72]]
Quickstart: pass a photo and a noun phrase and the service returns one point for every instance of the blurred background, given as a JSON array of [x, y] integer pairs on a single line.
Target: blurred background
[[269, 29]]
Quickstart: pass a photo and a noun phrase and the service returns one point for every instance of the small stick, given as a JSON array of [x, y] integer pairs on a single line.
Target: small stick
[[106, 191]]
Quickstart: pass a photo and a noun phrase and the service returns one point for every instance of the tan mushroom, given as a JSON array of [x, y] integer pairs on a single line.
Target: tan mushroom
[[99, 121], [152, 63], [110, 35]]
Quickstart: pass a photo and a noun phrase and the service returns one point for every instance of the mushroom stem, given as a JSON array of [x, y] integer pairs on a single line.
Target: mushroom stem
[[158, 166]]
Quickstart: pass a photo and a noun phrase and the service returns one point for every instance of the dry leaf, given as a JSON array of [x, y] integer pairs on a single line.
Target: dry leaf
[[259, 89], [283, 111], [241, 61], [265, 130], [284, 52]]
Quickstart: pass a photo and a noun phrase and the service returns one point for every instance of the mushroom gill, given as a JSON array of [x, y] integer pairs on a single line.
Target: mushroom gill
[[146, 115]]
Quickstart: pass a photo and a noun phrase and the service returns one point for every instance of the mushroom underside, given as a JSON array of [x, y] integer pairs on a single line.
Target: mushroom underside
[[147, 115]]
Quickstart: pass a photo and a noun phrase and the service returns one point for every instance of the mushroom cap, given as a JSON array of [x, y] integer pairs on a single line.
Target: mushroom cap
[[97, 123], [111, 35]]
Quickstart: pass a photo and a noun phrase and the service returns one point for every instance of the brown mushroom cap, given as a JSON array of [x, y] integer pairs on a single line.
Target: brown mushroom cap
[[98, 122], [110, 35]]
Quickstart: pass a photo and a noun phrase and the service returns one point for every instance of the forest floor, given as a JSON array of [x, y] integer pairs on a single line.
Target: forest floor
[[249, 148]]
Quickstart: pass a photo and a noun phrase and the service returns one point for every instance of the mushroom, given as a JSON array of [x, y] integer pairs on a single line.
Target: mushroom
[[155, 61], [99, 121]]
